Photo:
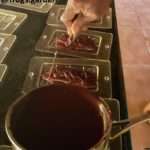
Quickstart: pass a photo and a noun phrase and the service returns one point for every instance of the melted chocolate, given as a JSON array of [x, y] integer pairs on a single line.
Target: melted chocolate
[[83, 43], [57, 117], [75, 75]]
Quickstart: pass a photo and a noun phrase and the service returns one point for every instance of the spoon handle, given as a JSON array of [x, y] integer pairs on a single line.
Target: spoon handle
[[144, 117]]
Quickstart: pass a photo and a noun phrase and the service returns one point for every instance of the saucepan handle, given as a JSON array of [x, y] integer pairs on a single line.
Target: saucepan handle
[[128, 124]]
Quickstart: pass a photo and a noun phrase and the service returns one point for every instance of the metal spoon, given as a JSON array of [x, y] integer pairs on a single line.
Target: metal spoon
[[144, 117]]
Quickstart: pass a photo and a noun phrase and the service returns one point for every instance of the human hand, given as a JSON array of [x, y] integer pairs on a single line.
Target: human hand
[[79, 13]]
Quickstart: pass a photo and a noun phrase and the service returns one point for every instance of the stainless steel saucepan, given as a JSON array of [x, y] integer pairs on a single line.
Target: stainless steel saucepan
[[104, 112]]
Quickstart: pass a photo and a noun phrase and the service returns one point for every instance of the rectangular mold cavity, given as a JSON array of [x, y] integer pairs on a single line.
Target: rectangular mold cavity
[[10, 20], [85, 43], [92, 74], [57, 10], [90, 44], [3, 69], [6, 20], [40, 7], [6, 42], [80, 75]]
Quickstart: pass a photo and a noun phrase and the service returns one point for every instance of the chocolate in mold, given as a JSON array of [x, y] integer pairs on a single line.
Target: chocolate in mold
[[84, 76], [83, 44]]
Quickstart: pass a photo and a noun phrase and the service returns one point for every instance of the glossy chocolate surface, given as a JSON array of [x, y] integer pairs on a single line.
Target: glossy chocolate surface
[[84, 43], [58, 117], [84, 76]]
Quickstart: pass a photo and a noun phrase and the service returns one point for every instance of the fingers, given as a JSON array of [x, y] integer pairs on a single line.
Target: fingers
[[87, 11], [80, 24], [68, 25], [68, 15]]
